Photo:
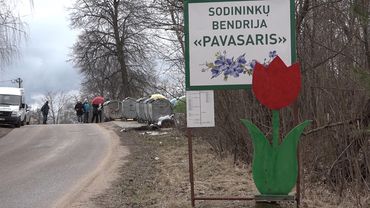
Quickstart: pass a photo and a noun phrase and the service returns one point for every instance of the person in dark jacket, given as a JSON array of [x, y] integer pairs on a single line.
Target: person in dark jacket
[[45, 111], [95, 113], [86, 111], [100, 112], [79, 108]]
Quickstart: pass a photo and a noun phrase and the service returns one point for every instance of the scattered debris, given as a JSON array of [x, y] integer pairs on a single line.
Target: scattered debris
[[154, 133], [166, 121], [154, 127]]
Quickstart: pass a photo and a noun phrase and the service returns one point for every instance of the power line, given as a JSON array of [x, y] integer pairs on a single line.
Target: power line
[[10, 80], [18, 80]]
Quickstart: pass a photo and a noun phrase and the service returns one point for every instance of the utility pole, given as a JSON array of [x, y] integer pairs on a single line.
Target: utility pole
[[19, 81]]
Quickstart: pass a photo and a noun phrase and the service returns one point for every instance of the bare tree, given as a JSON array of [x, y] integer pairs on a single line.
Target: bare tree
[[58, 100], [12, 30], [167, 24], [115, 42]]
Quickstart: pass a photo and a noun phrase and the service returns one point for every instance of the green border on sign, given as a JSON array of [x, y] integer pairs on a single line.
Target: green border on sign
[[228, 87]]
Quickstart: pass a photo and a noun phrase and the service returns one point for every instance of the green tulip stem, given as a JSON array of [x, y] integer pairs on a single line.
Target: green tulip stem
[[275, 128]]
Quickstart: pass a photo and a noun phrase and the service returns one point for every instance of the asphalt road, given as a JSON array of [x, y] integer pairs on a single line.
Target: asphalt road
[[41, 164]]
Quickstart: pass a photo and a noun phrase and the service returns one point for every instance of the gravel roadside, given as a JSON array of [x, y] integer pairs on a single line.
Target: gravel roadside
[[155, 174], [137, 176]]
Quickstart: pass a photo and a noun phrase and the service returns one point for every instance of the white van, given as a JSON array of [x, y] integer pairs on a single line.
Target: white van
[[12, 106]]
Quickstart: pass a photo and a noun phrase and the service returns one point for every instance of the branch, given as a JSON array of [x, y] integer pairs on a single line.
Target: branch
[[326, 126]]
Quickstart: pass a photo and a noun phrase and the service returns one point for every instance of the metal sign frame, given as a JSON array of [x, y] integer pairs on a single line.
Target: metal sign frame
[[242, 86], [258, 199]]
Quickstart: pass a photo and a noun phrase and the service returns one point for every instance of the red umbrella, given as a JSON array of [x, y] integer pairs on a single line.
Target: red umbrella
[[98, 100]]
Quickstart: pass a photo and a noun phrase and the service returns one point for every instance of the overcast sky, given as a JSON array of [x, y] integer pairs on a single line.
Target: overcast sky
[[43, 63]]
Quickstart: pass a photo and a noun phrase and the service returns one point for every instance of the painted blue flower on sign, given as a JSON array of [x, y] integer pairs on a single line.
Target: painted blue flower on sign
[[272, 54], [231, 67]]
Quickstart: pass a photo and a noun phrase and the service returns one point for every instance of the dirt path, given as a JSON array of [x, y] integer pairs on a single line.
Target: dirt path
[[156, 174]]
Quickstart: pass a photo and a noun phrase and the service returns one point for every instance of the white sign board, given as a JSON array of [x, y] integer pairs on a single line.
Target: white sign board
[[224, 39], [200, 109]]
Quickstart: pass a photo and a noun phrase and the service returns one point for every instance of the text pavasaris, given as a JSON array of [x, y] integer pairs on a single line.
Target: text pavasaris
[[239, 40]]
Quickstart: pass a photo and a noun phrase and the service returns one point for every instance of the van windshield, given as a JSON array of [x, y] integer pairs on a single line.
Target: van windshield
[[10, 99]]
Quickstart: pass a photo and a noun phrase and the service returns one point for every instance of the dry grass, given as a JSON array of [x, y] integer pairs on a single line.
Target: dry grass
[[157, 176], [214, 176], [319, 196], [219, 177]]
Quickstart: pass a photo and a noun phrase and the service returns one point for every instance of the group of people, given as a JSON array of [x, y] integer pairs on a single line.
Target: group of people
[[82, 112]]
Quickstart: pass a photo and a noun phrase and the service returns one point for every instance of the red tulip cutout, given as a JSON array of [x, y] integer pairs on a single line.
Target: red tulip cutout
[[275, 166], [276, 86]]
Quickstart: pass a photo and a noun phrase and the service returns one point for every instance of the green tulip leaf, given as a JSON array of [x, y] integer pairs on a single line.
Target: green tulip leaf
[[286, 160], [262, 157], [274, 170]]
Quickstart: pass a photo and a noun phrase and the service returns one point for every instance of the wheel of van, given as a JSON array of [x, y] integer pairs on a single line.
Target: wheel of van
[[18, 124]]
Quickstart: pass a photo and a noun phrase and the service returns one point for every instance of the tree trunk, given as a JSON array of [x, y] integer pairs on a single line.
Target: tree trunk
[[120, 52], [366, 45], [176, 28]]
